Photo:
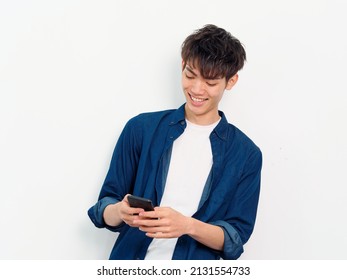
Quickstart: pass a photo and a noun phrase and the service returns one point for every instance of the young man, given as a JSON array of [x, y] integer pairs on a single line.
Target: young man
[[203, 172]]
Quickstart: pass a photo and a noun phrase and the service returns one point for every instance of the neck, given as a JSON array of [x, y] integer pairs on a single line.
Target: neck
[[204, 119]]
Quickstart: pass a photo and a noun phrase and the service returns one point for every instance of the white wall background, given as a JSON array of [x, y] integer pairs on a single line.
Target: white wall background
[[72, 72]]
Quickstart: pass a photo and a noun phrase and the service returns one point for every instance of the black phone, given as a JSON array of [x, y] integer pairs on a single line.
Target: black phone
[[140, 202]]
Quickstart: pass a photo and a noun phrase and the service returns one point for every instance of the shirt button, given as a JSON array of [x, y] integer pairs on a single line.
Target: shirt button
[[183, 122]]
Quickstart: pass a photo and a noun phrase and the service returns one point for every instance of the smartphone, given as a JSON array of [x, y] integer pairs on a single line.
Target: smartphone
[[140, 202]]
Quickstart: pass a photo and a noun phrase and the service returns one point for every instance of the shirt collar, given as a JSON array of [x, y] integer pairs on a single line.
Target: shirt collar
[[178, 116], [221, 129]]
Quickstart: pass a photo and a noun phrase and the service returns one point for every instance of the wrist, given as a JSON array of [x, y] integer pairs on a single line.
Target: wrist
[[111, 214], [190, 226]]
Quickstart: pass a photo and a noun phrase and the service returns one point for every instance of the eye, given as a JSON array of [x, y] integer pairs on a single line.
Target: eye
[[189, 77], [211, 84]]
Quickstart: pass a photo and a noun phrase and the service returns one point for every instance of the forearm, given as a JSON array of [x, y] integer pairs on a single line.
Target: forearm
[[210, 235], [165, 222]]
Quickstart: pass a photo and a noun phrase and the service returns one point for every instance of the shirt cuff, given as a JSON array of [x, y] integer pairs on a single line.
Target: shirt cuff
[[233, 247], [96, 212]]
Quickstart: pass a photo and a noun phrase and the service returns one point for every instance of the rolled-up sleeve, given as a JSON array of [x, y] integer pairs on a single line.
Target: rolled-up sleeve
[[96, 212], [233, 246]]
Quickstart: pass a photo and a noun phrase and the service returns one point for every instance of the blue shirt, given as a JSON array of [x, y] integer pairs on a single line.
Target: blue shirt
[[140, 164]]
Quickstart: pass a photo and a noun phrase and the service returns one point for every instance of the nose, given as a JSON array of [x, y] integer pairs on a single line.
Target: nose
[[197, 86]]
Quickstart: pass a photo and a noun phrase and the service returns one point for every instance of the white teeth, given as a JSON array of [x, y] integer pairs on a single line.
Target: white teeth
[[197, 99]]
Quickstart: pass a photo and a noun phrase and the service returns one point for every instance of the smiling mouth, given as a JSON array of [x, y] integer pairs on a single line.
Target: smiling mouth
[[195, 99]]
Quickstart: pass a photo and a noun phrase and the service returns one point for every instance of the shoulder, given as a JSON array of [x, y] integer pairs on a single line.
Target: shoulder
[[242, 145], [148, 122], [242, 138], [251, 152], [150, 118], [235, 137], [153, 116]]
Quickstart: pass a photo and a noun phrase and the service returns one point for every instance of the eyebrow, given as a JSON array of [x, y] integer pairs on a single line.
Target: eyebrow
[[190, 70]]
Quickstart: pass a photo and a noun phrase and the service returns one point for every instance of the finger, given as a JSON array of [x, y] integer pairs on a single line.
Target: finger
[[131, 220], [150, 214], [159, 234], [130, 214], [152, 229], [134, 211], [148, 222]]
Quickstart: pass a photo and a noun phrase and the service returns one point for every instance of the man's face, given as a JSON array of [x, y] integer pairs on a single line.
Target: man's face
[[203, 95]]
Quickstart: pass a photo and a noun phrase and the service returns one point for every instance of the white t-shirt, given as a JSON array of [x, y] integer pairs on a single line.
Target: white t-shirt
[[190, 165]]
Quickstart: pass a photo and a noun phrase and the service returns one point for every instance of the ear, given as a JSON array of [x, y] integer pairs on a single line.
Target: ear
[[231, 82]]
